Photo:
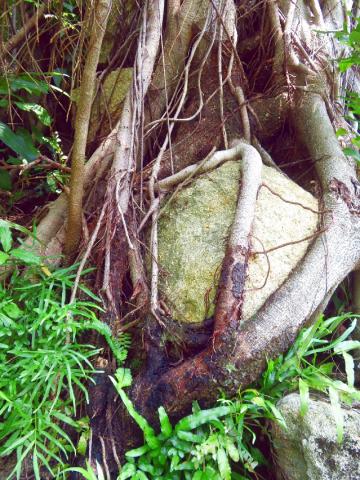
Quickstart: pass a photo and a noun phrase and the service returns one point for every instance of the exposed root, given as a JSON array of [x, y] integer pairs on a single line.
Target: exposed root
[[317, 12], [56, 215], [208, 368], [87, 254], [128, 143], [274, 327], [215, 160], [171, 114]]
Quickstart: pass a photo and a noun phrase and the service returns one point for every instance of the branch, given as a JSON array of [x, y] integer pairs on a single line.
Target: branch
[[55, 217], [82, 120], [29, 25]]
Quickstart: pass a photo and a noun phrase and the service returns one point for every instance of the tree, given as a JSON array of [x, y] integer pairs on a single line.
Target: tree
[[235, 78]]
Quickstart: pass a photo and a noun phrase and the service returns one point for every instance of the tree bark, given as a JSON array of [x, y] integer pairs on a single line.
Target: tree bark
[[82, 121], [180, 107], [273, 329]]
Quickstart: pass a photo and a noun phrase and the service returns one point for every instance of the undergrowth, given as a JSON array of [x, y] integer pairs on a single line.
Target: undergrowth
[[43, 376], [219, 443]]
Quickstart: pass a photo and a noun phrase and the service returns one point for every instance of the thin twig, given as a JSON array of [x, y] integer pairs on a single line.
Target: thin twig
[[221, 95], [304, 239], [87, 253], [317, 212], [153, 179], [103, 449]]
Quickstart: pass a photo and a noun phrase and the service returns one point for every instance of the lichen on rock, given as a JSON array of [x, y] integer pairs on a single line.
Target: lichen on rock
[[193, 232], [308, 448]]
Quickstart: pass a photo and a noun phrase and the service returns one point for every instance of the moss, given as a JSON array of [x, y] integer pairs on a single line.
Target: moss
[[193, 232], [195, 219]]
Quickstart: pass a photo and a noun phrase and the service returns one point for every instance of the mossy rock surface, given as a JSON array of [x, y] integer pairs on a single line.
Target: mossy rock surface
[[108, 102], [193, 232], [308, 449]]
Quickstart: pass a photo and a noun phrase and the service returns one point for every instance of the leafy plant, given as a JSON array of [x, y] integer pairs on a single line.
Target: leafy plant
[[42, 375], [310, 365], [351, 38], [178, 452], [218, 443], [23, 93], [88, 473]]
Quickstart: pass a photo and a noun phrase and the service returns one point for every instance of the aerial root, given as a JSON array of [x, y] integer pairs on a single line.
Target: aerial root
[[228, 309]]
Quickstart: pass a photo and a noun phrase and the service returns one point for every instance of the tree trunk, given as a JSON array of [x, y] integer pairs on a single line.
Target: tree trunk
[[202, 82]]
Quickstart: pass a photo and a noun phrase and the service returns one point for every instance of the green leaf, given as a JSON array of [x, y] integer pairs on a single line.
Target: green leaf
[[36, 466], [304, 396], [12, 310], [354, 37], [348, 62], [231, 449], [223, 463], [41, 112], [65, 418], [337, 412], [4, 397], [10, 446], [5, 180], [140, 476], [149, 432], [23, 82], [127, 471], [137, 452], [356, 141], [123, 377], [82, 444], [350, 152], [25, 256], [87, 474], [18, 143], [166, 427], [349, 368], [204, 416], [277, 414], [341, 131], [190, 437], [5, 235], [199, 476], [3, 257], [346, 346]]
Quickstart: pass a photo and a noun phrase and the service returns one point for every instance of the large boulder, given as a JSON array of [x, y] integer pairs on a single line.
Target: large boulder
[[193, 231], [308, 449]]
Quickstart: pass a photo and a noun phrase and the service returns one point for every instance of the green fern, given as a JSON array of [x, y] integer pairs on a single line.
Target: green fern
[[39, 369], [213, 443], [119, 346]]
